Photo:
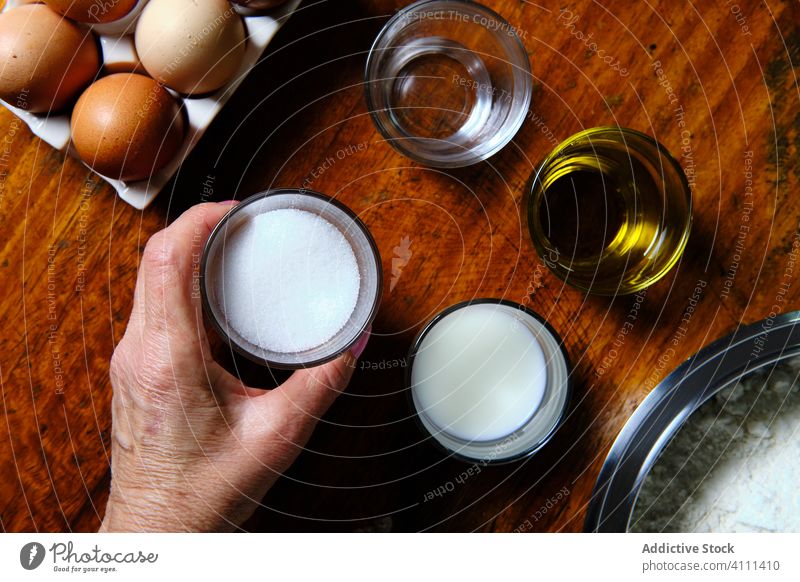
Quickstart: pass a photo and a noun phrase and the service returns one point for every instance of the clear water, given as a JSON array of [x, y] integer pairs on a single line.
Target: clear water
[[440, 90]]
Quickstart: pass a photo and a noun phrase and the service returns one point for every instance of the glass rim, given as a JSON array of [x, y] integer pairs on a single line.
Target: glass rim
[[208, 309]]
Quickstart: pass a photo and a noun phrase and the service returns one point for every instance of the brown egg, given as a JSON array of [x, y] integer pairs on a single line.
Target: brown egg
[[127, 126], [92, 11], [46, 60]]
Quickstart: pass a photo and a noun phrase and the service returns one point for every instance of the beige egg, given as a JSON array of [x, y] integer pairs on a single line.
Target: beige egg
[[127, 126], [92, 11], [45, 60], [192, 46]]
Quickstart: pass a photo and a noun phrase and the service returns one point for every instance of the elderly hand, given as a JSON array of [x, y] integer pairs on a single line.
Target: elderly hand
[[193, 449]]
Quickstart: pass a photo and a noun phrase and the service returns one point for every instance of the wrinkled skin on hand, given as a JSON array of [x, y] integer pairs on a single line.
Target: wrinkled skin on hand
[[193, 449]]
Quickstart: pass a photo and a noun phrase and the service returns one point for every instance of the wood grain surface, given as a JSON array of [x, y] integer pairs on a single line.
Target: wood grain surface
[[716, 82]]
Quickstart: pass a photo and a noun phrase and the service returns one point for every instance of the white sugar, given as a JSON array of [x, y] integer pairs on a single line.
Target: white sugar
[[289, 280]]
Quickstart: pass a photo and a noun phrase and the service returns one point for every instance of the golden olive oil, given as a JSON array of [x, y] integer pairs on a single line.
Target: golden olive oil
[[611, 211]]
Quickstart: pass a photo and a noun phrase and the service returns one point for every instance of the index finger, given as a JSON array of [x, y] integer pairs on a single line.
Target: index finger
[[167, 287]]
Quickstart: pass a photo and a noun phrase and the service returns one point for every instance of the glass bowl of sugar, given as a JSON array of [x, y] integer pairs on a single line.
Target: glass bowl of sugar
[[290, 278]]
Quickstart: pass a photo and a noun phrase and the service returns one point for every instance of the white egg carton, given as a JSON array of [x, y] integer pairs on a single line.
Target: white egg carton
[[116, 42]]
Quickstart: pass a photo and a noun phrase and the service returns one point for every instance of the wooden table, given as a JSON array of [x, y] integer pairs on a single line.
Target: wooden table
[[713, 81]]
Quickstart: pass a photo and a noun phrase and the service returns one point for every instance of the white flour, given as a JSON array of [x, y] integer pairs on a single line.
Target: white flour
[[734, 466]]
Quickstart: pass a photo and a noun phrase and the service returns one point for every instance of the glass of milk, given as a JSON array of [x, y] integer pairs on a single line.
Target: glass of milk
[[490, 380], [290, 278]]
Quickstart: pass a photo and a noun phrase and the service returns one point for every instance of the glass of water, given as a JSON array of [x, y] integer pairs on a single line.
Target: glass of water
[[448, 82]]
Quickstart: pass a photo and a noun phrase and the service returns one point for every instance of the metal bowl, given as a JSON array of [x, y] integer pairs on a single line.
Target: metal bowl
[[659, 417]]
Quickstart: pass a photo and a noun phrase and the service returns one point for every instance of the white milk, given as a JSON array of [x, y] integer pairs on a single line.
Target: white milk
[[479, 373]]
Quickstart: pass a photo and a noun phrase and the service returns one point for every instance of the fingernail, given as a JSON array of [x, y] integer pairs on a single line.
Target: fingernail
[[361, 344], [228, 202]]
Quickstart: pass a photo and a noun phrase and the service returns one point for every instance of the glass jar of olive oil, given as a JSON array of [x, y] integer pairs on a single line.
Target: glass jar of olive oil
[[609, 210]]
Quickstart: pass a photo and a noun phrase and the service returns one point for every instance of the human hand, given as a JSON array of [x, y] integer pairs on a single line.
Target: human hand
[[193, 448]]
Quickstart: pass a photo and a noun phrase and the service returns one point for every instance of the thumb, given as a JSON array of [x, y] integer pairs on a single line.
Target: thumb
[[297, 404], [311, 391], [307, 394]]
